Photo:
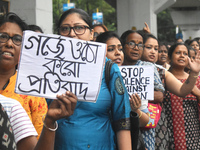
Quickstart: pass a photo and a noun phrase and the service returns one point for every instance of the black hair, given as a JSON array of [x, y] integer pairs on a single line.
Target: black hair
[[83, 15], [190, 42], [173, 47], [147, 36], [187, 41], [190, 48], [125, 35], [197, 39], [13, 18], [33, 27], [162, 43], [142, 33], [104, 37]]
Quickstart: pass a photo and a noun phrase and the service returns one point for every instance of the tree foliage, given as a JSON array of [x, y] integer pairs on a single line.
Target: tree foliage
[[166, 28], [90, 6]]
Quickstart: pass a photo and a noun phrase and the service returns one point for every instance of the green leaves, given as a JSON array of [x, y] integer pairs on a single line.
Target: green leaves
[[90, 6], [166, 27]]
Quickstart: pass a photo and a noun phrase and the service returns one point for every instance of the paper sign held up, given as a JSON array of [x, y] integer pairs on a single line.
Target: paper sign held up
[[139, 79], [53, 64]]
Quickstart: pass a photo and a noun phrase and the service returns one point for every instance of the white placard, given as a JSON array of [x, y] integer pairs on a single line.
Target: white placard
[[52, 64], [139, 79]]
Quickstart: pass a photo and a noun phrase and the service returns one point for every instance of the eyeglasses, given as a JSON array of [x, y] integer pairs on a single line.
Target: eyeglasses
[[78, 29], [97, 34], [133, 45], [16, 39]]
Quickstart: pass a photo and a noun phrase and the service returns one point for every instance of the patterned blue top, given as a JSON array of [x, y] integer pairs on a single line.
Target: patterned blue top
[[149, 134], [92, 125]]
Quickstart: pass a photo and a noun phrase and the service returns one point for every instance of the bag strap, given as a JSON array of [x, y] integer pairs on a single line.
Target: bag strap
[[108, 67]]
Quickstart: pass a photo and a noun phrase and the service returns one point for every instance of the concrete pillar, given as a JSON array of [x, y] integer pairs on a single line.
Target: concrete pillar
[[133, 13], [188, 21], [37, 12]]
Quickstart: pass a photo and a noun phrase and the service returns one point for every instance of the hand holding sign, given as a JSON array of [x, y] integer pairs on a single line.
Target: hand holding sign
[[52, 64], [140, 80], [62, 107], [135, 102]]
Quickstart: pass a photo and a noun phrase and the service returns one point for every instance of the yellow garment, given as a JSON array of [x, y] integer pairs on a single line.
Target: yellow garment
[[35, 107]]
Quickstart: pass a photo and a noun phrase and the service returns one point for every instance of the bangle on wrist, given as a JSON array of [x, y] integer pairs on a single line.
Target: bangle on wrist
[[194, 73], [56, 124], [140, 114]]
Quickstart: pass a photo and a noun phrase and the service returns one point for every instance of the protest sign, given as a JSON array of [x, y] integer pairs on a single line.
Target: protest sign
[[139, 79], [68, 6], [53, 64], [97, 18]]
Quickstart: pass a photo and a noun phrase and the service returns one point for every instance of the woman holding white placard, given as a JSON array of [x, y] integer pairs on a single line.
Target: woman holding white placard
[[94, 125], [115, 53], [11, 30], [132, 43]]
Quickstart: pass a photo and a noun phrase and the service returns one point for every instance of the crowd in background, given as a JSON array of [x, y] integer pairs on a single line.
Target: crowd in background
[[116, 120]]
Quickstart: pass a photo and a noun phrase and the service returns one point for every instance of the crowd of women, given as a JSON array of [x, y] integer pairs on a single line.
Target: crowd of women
[[69, 124]]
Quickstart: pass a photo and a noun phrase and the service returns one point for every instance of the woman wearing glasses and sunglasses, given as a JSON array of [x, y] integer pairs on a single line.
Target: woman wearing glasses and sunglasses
[[98, 29], [90, 126]]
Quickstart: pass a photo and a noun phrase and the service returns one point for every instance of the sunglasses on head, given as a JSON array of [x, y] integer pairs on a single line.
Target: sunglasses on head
[[96, 34]]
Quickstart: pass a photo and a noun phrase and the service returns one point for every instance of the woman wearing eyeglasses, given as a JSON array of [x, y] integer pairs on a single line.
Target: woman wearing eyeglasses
[[133, 46], [115, 53], [94, 126], [34, 109], [133, 54], [11, 30]]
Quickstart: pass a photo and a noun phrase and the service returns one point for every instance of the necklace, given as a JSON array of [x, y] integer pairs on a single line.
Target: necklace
[[4, 87]]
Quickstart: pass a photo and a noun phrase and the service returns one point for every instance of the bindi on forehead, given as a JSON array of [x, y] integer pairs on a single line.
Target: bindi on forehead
[[73, 19], [135, 37]]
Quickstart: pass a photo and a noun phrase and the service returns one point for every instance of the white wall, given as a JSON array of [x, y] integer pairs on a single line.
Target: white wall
[[188, 21], [133, 13], [37, 12]]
